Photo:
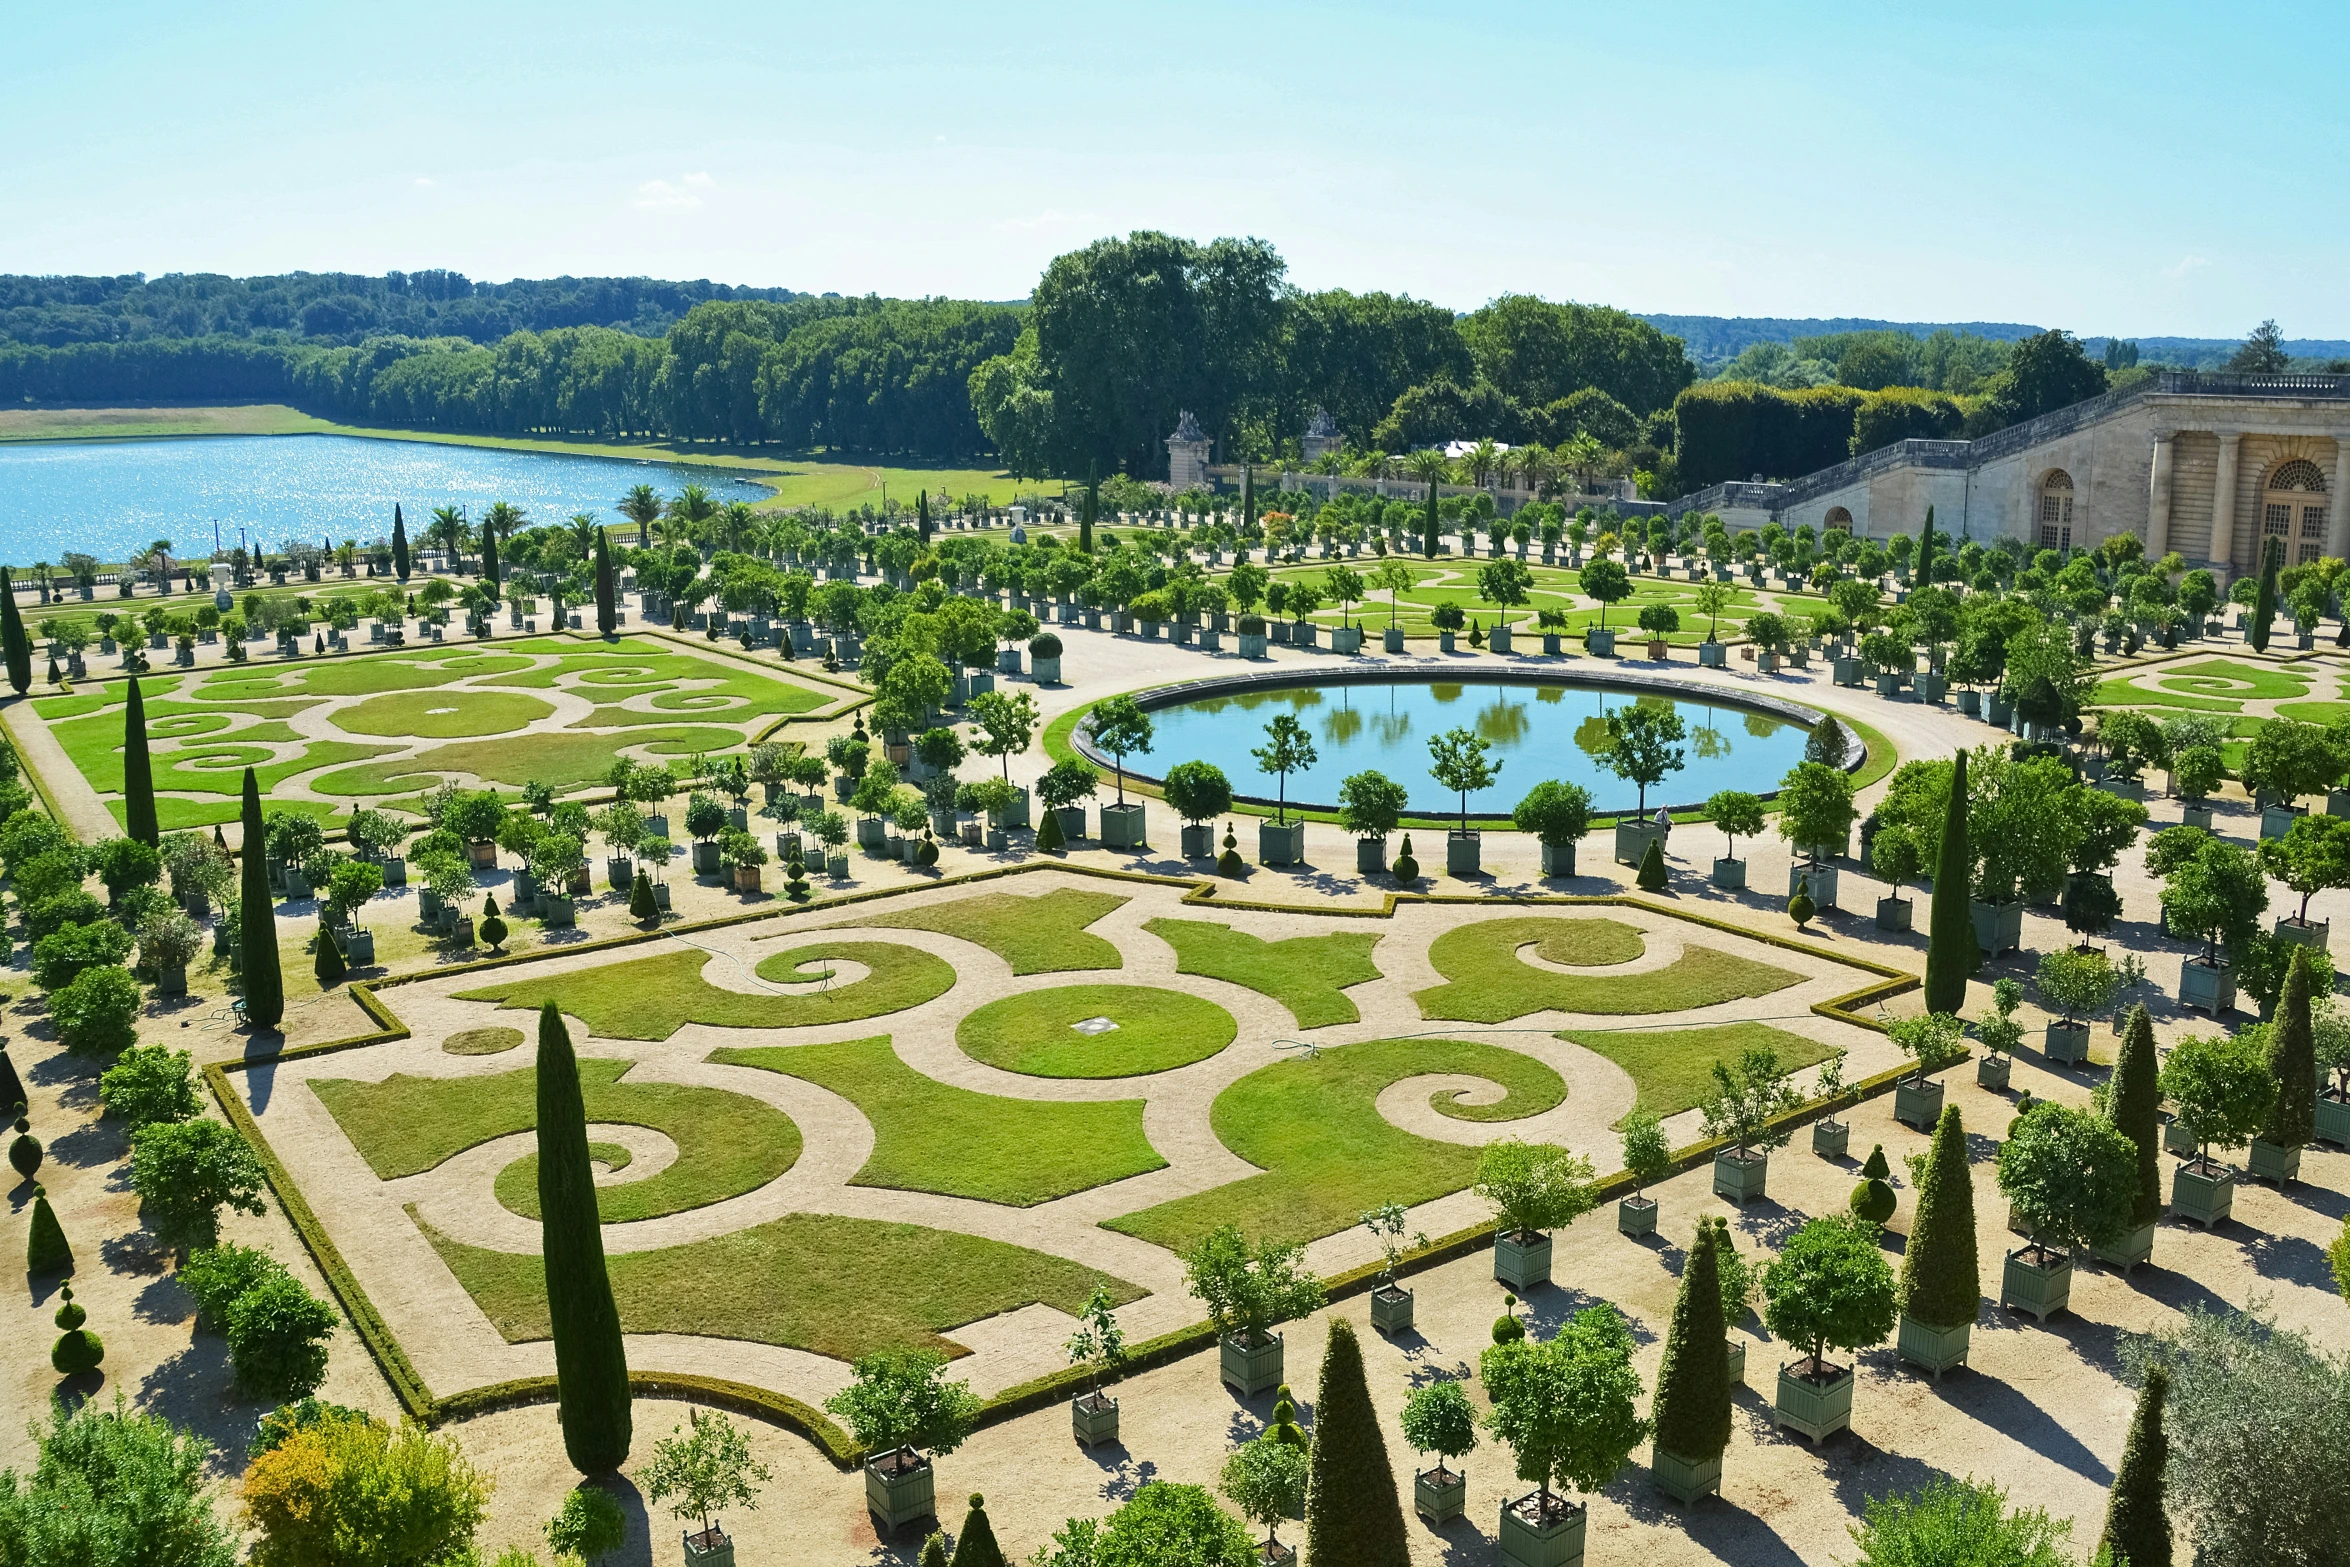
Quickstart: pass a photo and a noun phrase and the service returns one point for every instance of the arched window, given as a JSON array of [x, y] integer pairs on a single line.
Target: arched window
[[1838, 520], [2056, 510], [2293, 508]]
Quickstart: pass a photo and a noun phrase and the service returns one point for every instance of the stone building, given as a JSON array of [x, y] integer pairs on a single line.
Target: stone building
[[1187, 454], [2209, 465], [1322, 437]]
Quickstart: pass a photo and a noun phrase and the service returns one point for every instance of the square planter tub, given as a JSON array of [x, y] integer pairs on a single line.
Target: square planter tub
[[2272, 1162], [1992, 1070], [1556, 1541], [1521, 1261], [1830, 1138], [2206, 1195], [1685, 1481], [1933, 1349], [1735, 1350], [1093, 1417], [1999, 927], [1391, 1309], [1730, 875], [1818, 1409], [1281, 843], [2127, 1250], [1822, 879], [2333, 1120], [2067, 1044], [1440, 1495], [2210, 986], [1370, 856], [1918, 1105], [1896, 914], [1199, 841], [900, 1488], [1463, 852], [1740, 1179], [1632, 840], [1123, 826], [1250, 1369], [714, 1549], [1636, 1216], [1558, 859], [2042, 1288]]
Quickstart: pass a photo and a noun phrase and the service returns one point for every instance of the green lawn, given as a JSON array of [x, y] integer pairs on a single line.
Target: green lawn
[[1043, 934], [931, 1137], [1307, 974], [652, 998], [563, 762], [173, 814], [727, 1143], [833, 1286], [2226, 677], [1312, 1124], [1157, 1030], [1488, 983], [482, 1041], [442, 715], [2122, 692], [2315, 712], [1673, 1067], [408, 669]]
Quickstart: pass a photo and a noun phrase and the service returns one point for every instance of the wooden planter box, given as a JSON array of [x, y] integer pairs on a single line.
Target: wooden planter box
[[1370, 856], [1999, 927], [1391, 639], [1440, 1495], [1918, 1105], [1730, 875], [1072, 819], [1463, 852], [2315, 933], [1740, 1179], [2128, 1249], [1685, 1480], [2270, 1162], [714, 1549], [1556, 1541], [1933, 1349], [1896, 914], [1281, 843], [2333, 1120], [1124, 826], [1992, 1070], [1817, 1409], [1821, 879], [747, 878], [2042, 1288], [1093, 1417], [1391, 1309], [1633, 839], [1521, 1261], [2067, 1044], [1250, 1369], [2210, 986], [556, 911], [1558, 859], [1830, 1137], [1199, 842], [2204, 1195], [900, 1488], [1636, 1216], [706, 851], [1734, 1350]]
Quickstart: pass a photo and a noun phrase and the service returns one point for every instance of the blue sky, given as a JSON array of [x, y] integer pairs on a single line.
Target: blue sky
[[2142, 169]]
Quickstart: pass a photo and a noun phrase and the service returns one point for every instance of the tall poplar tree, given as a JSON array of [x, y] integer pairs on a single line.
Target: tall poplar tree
[[591, 1364], [1692, 1407], [399, 544], [2292, 1055], [1951, 954], [265, 986], [2264, 603], [922, 515], [2137, 1524], [1087, 510], [13, 642], [1925, 566], [607, 604], [1352, 1516], [2133, 1105], [1940, 1283], [138, 771], [489, 559]]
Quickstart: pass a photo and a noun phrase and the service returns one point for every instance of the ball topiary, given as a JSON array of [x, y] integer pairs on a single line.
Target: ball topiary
[[493, 929], [77, 1349], [1507, 1329], [1285, 1427], [927, 854], [1228, 863], [24, 1154], [1873, 1200], [1652, 868], [1800, 908], [1406, 869]]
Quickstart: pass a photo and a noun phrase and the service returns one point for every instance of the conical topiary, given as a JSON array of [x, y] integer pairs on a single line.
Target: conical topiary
[[1048, 835], [591, 1365], [1873, 1200], [1229, 862], [1939, 1283], [1352, 1514], [12, 1094], [934, 1550], [2137, 1524], [77, 1348], [1951, 954], [641, 906], [1800, 908], [14, 644], [1652, 868], [24, 1153], [493, 929], [2133, 1104], [2292, 1056], [975, 1546], [328, 965], [1406, 869], [264, 984], [1285, 1427], [138, 771], [1692, 1408], [46, 1251]]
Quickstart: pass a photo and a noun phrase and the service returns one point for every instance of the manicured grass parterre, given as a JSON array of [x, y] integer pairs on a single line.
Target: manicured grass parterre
[[1488, 983], [929, 1136], [727, 1143], [1312, 1123], [1673, 1067], [652, 998], [482, 1041], [442, 715], [1307, 974], [830, 1285], [1156, 1030], [1041, 934], [562, 761]]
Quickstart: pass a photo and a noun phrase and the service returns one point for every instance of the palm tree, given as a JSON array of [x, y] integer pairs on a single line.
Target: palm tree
[[693, 507], [735, 522], [504, 516], [448, 529], [583, 527], [1481, 459], [642, 506], [1580, 454]]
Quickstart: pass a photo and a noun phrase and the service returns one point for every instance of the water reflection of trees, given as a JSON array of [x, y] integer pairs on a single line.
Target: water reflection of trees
[[1762, 728], [1395, 725], [1503, 722], [1592, 738], [1708, 741], [1343, 723]]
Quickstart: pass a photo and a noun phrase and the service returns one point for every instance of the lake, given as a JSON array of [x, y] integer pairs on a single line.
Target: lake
[[113, 498], [1546, 731]]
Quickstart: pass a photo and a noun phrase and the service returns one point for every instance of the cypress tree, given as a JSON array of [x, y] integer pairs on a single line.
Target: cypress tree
[[922, 526], [2264, 605], [1652, 868], [489, 561], [2137, 1526], [138, 772], [12, 1097], [975, 1546], [1692, 1408], [591, 1366], [1925, 566], [1248, 499], [265, 987], [2133, 1104], [47, 1251], [328, 964], [2292, 1056], [1940, 1286], [399, 544], [1951, 953], [13, 641], [1428, 528], [1087, 510], [607, 606], [1352, 1516]]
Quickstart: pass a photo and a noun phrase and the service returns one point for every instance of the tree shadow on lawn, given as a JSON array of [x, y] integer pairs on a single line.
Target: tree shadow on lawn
[[195, 1389], [1553, 1304], [2002, 1407], [2291, 1259], [1122, 1476]]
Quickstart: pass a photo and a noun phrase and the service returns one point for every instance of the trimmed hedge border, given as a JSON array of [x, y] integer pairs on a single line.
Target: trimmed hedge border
[[791, 1414]]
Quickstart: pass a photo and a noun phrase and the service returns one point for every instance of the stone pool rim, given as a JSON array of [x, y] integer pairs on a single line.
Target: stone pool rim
[[1182, 692]]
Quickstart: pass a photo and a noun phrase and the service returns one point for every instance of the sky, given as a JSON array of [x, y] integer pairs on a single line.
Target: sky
[[2142, 169]]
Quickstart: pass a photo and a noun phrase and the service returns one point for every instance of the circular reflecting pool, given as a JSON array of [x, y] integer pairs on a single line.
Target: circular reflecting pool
[[1536, 731]]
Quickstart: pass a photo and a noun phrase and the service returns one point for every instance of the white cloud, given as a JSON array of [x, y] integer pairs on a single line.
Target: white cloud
[[2186, 265], [702, 180], [673, 196], [424, 184]]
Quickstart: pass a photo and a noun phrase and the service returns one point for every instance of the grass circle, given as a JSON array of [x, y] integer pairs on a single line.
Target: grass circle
[[442, 715], [1035, 1033], [181, 726], [482, 1041]]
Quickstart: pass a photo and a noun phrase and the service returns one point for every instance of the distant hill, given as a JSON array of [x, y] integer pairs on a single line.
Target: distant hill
[[1716, 340]]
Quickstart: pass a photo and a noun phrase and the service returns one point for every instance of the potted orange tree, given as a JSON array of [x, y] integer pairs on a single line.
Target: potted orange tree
[[1748, 1097], [1249, 1291], [1438, 1418], [1534, 1188], [1100, 1344], [1391, 1303], [1829, 1288], [898, 1403], [1565, 1406], [706, 1465], [2071, 1179]]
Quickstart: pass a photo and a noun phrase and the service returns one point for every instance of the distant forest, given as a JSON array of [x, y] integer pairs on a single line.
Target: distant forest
[[1714, 341]]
